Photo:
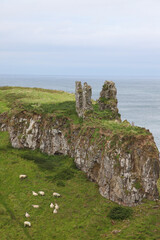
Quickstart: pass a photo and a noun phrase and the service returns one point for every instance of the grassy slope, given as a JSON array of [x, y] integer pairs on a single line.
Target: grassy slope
[[83, 212]]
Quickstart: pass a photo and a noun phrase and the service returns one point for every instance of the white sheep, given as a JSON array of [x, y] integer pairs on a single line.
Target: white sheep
[[35, 206], [56, 206], [22, 176], [26, 223], [55, 211], [56, 194], [41, 193], [51, 205], [27, 215], [34, 193]]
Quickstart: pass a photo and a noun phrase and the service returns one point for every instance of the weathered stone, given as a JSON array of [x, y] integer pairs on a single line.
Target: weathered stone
[[87, 93], [126, 174], [79, 99], [109, 90], [83, 99], [108, 100]]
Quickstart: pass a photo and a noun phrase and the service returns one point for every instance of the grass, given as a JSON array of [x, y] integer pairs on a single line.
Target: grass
[[3, 107], [83, 212], [59, 103]]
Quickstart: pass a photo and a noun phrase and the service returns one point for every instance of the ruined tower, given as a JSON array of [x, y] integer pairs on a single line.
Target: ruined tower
[[83, 99], [79, 99], [108, 99], [87, 93]]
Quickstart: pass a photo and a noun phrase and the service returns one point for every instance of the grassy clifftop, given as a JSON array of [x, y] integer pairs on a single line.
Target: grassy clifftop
[[35, 99], [61, 104]]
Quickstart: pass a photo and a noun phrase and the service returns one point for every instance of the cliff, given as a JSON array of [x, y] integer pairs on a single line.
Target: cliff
[[125, 167], [123, 160]]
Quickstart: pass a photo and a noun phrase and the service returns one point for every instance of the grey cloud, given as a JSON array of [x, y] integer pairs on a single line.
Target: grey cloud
[[34, 30]]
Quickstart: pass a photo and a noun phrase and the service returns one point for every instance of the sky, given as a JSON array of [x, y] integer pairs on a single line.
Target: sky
[[80, 37]]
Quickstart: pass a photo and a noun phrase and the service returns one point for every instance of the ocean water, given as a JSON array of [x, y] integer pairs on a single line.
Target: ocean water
[[138, 97]]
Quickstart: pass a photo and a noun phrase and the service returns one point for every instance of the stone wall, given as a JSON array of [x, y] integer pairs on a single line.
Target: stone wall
[[83, 99], [87, 93], [79, 99]]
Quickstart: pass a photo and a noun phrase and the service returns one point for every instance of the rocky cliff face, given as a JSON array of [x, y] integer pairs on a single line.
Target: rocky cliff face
[[126, 168]]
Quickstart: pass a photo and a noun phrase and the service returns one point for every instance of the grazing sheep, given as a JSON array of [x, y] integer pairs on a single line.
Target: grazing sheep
[[27, 215], [35, 206], [56, 206], [41, 193], [22, 176], [51, 205], [56, 194], [34, 193], [26, 223], [55, 211]]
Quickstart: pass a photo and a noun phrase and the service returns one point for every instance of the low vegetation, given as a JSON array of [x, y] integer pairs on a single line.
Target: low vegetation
[[59, 103], [120, 213], [83, 214]]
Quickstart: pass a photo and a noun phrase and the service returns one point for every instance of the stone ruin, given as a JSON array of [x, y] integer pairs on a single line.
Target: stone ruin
[[83, 99], [107, 100], [79, 99]]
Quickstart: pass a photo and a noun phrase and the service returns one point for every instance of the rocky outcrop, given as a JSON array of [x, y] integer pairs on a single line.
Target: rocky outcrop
[[108, 99], [83, 99], [126, 168]]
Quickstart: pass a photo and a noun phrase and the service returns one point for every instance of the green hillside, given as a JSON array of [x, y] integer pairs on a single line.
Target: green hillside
[[83, 212]]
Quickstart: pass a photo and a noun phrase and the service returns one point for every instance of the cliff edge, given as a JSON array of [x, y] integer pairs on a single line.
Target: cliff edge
[[122, 159]]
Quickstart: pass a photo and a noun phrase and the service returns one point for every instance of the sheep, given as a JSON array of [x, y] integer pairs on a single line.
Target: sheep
[[34, 193], [56, 206], [22, 176], [56, 194], [41, 193], [27, 215], [35, 206], [26, 223], [55, 211], [51, 205]]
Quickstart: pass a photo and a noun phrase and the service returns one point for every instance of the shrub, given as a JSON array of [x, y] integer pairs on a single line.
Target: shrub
[[120, 213]]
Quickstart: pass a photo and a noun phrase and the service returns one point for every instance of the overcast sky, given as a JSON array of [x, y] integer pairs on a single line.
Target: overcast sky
[[93, 37]]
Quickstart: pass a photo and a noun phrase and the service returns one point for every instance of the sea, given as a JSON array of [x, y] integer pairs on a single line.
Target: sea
[[138, 97]]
